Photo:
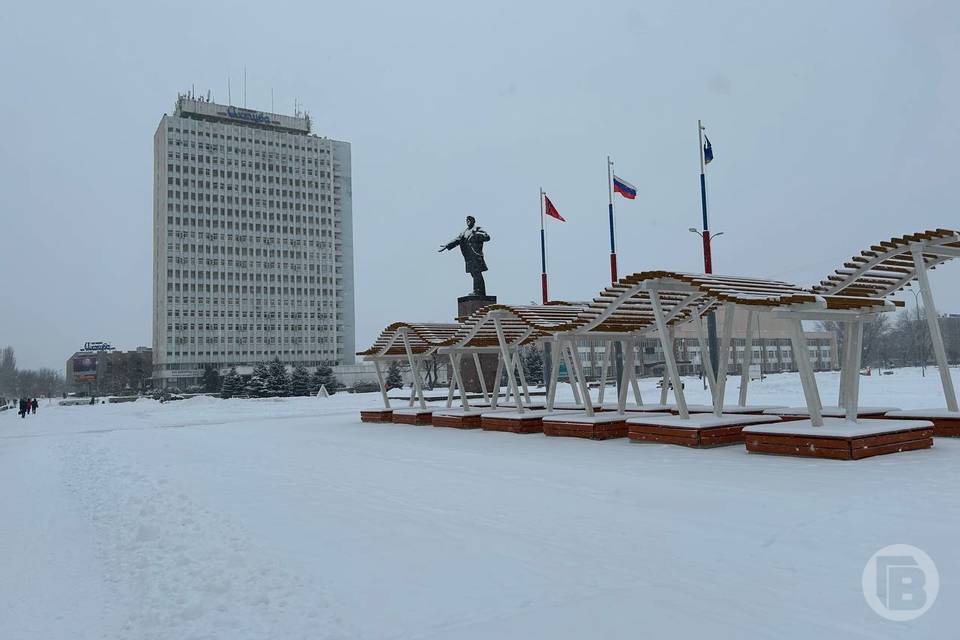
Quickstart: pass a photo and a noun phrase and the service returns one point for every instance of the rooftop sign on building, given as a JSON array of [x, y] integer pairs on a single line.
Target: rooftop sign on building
[[97, 346], [204, 110]]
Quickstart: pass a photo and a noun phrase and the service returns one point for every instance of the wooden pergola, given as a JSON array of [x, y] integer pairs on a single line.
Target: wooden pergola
[[414, 343], [651, 302], [501, 330], [658, 300], [886, 269]]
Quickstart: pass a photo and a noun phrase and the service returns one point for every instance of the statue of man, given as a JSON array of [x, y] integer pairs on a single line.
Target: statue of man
[[471, 242]]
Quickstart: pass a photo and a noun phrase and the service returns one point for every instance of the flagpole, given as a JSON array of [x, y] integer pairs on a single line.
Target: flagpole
[[707, 256], [617, 350], [543, 253], [613, 242]]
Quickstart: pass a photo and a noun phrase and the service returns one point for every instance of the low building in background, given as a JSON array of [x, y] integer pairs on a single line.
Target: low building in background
[[110, 372]]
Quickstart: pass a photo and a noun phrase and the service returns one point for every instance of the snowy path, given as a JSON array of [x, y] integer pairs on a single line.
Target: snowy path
[[290, 519]]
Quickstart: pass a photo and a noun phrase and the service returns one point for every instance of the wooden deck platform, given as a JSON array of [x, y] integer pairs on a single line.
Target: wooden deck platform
[[651, 408], [534, 405], [731, 409], [573, 406], [701, 430], [515, 421], [802, 413], [412, 416], [946, 424], [839, 439], [600, 426], [735, 409], [457, 418], [376, 415]]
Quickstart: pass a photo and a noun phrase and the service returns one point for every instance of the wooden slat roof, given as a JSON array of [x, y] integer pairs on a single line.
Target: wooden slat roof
[[626, 306], [520, 323], [424, 337], [886, 268]]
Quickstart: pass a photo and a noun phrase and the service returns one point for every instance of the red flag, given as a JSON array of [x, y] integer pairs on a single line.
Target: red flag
[[551, 210]]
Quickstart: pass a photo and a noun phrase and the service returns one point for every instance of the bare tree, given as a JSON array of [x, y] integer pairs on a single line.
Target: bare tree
[[40, 382], [874, 345], [8, 372], [875, 348]]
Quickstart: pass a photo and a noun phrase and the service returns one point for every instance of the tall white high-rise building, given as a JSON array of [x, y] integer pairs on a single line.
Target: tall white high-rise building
[[252, 242]]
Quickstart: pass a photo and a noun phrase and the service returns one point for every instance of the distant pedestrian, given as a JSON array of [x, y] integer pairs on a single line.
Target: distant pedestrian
[[33, 405], [23, 407]]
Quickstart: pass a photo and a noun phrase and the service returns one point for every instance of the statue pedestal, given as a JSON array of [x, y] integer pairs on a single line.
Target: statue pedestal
[[466, 305]]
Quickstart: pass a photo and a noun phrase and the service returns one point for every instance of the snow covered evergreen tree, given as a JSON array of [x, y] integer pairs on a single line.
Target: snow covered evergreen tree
[[300, 381], [256, 386], [211, 379], [394, 377], [532, 363], [232, 385], [323, 377], [278, 383]]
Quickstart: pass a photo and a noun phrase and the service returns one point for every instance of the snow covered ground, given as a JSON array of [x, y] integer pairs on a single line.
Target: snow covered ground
[[289, 518]]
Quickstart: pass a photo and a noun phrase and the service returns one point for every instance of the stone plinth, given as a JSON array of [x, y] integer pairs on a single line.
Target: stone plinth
[[466, 305]]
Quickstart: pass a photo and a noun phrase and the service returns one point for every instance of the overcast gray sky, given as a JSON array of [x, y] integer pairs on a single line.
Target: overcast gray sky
[[833, 124]]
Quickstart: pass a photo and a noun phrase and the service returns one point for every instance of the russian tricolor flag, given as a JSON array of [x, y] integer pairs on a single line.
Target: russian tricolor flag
[[624, 188]]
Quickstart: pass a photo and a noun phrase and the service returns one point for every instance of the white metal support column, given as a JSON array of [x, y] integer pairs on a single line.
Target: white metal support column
[[521, 375], [851, 395], [936, 337], [634, 383], [665, 381], [747, 357], [847, 330], [604, 369], [495, 394], [483, 381], [671, 363], [456, 358], [383, 384], [554, 376], [628, 374], [593, 358], [417, 389], [570, 372], [413, 387], [810, 392], [705, 361], [511, 396], [452, 381], [723, 361], [508, 361], [578, 376]]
